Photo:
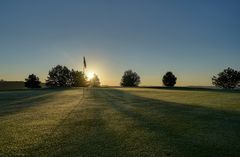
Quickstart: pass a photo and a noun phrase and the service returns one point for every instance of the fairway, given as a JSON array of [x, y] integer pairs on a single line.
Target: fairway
[[108, 122]]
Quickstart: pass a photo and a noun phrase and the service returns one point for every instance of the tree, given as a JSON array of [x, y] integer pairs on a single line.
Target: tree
[[228, 79], [130, 79], [78, 79], [169, 79], [59, 76], [95, 82], [32, 82]]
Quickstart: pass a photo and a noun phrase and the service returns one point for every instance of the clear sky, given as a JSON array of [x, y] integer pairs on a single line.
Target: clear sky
[[194, 39]]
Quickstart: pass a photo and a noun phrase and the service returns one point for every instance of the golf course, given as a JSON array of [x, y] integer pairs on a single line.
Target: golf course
[[109, 122]]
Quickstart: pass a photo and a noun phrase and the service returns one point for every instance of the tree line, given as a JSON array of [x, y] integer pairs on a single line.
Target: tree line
[[61, 76]]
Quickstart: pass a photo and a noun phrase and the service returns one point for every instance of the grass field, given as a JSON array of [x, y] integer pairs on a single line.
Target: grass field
[[120, 122]]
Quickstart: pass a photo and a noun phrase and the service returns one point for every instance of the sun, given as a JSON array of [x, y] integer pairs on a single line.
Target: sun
[[90, 75]]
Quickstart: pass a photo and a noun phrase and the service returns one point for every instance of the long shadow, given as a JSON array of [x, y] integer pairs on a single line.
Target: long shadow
[[20, 101], [237, 90], [190, 130], [82, 132]]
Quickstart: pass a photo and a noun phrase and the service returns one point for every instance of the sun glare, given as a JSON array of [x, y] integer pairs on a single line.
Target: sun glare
[[90, 75]]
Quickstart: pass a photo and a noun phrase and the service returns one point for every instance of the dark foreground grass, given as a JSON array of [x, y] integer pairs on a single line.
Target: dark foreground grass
[[119, 122]]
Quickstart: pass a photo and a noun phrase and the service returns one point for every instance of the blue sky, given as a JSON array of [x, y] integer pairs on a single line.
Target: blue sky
[[194, 39]]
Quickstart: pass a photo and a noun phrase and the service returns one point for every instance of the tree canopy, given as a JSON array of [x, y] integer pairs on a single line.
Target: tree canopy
[[95, 81], [59, 76], [32, 82], [169, 80], [78, 79], [228, 79], [130, 79]]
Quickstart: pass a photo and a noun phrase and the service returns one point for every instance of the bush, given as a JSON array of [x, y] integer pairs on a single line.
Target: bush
[[59, 76], [227, 79], [130, 79], [169, 80], [32, 82]]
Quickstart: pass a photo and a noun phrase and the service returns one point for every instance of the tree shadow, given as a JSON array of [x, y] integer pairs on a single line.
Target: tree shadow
[[82, 132], [236, 90], [15, 101], [190, 130], [184, 130]]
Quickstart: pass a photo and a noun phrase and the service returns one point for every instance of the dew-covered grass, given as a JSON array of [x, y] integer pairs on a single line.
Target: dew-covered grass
[[119, 122]]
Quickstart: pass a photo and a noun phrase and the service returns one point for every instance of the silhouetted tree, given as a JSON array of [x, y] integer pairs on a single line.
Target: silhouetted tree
[[169, 79], [130, 79], [32, 82], [94, 82], [59, 76], [78, 79], [227, 79]]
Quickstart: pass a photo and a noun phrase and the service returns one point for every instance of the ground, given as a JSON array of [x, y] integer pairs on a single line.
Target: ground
[[120, 122]]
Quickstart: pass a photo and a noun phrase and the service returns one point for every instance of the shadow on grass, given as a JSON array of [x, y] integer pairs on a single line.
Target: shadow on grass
[[82, 132], [190, 130], [15, 101], [237, 90], [184, 130]]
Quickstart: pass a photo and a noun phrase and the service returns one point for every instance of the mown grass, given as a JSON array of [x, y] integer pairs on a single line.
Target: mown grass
[[119, 122]]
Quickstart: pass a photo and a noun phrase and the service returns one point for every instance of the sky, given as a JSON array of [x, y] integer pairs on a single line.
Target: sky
[[195, 39]]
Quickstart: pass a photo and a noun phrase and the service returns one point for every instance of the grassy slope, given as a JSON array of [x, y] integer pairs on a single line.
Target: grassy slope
[[119, 122]]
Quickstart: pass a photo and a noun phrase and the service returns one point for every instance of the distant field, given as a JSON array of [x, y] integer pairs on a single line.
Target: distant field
[[6, 85], [109, 122], [11, 85]]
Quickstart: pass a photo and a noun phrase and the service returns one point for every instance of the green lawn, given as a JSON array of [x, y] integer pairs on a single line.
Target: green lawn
[[120, 122]]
